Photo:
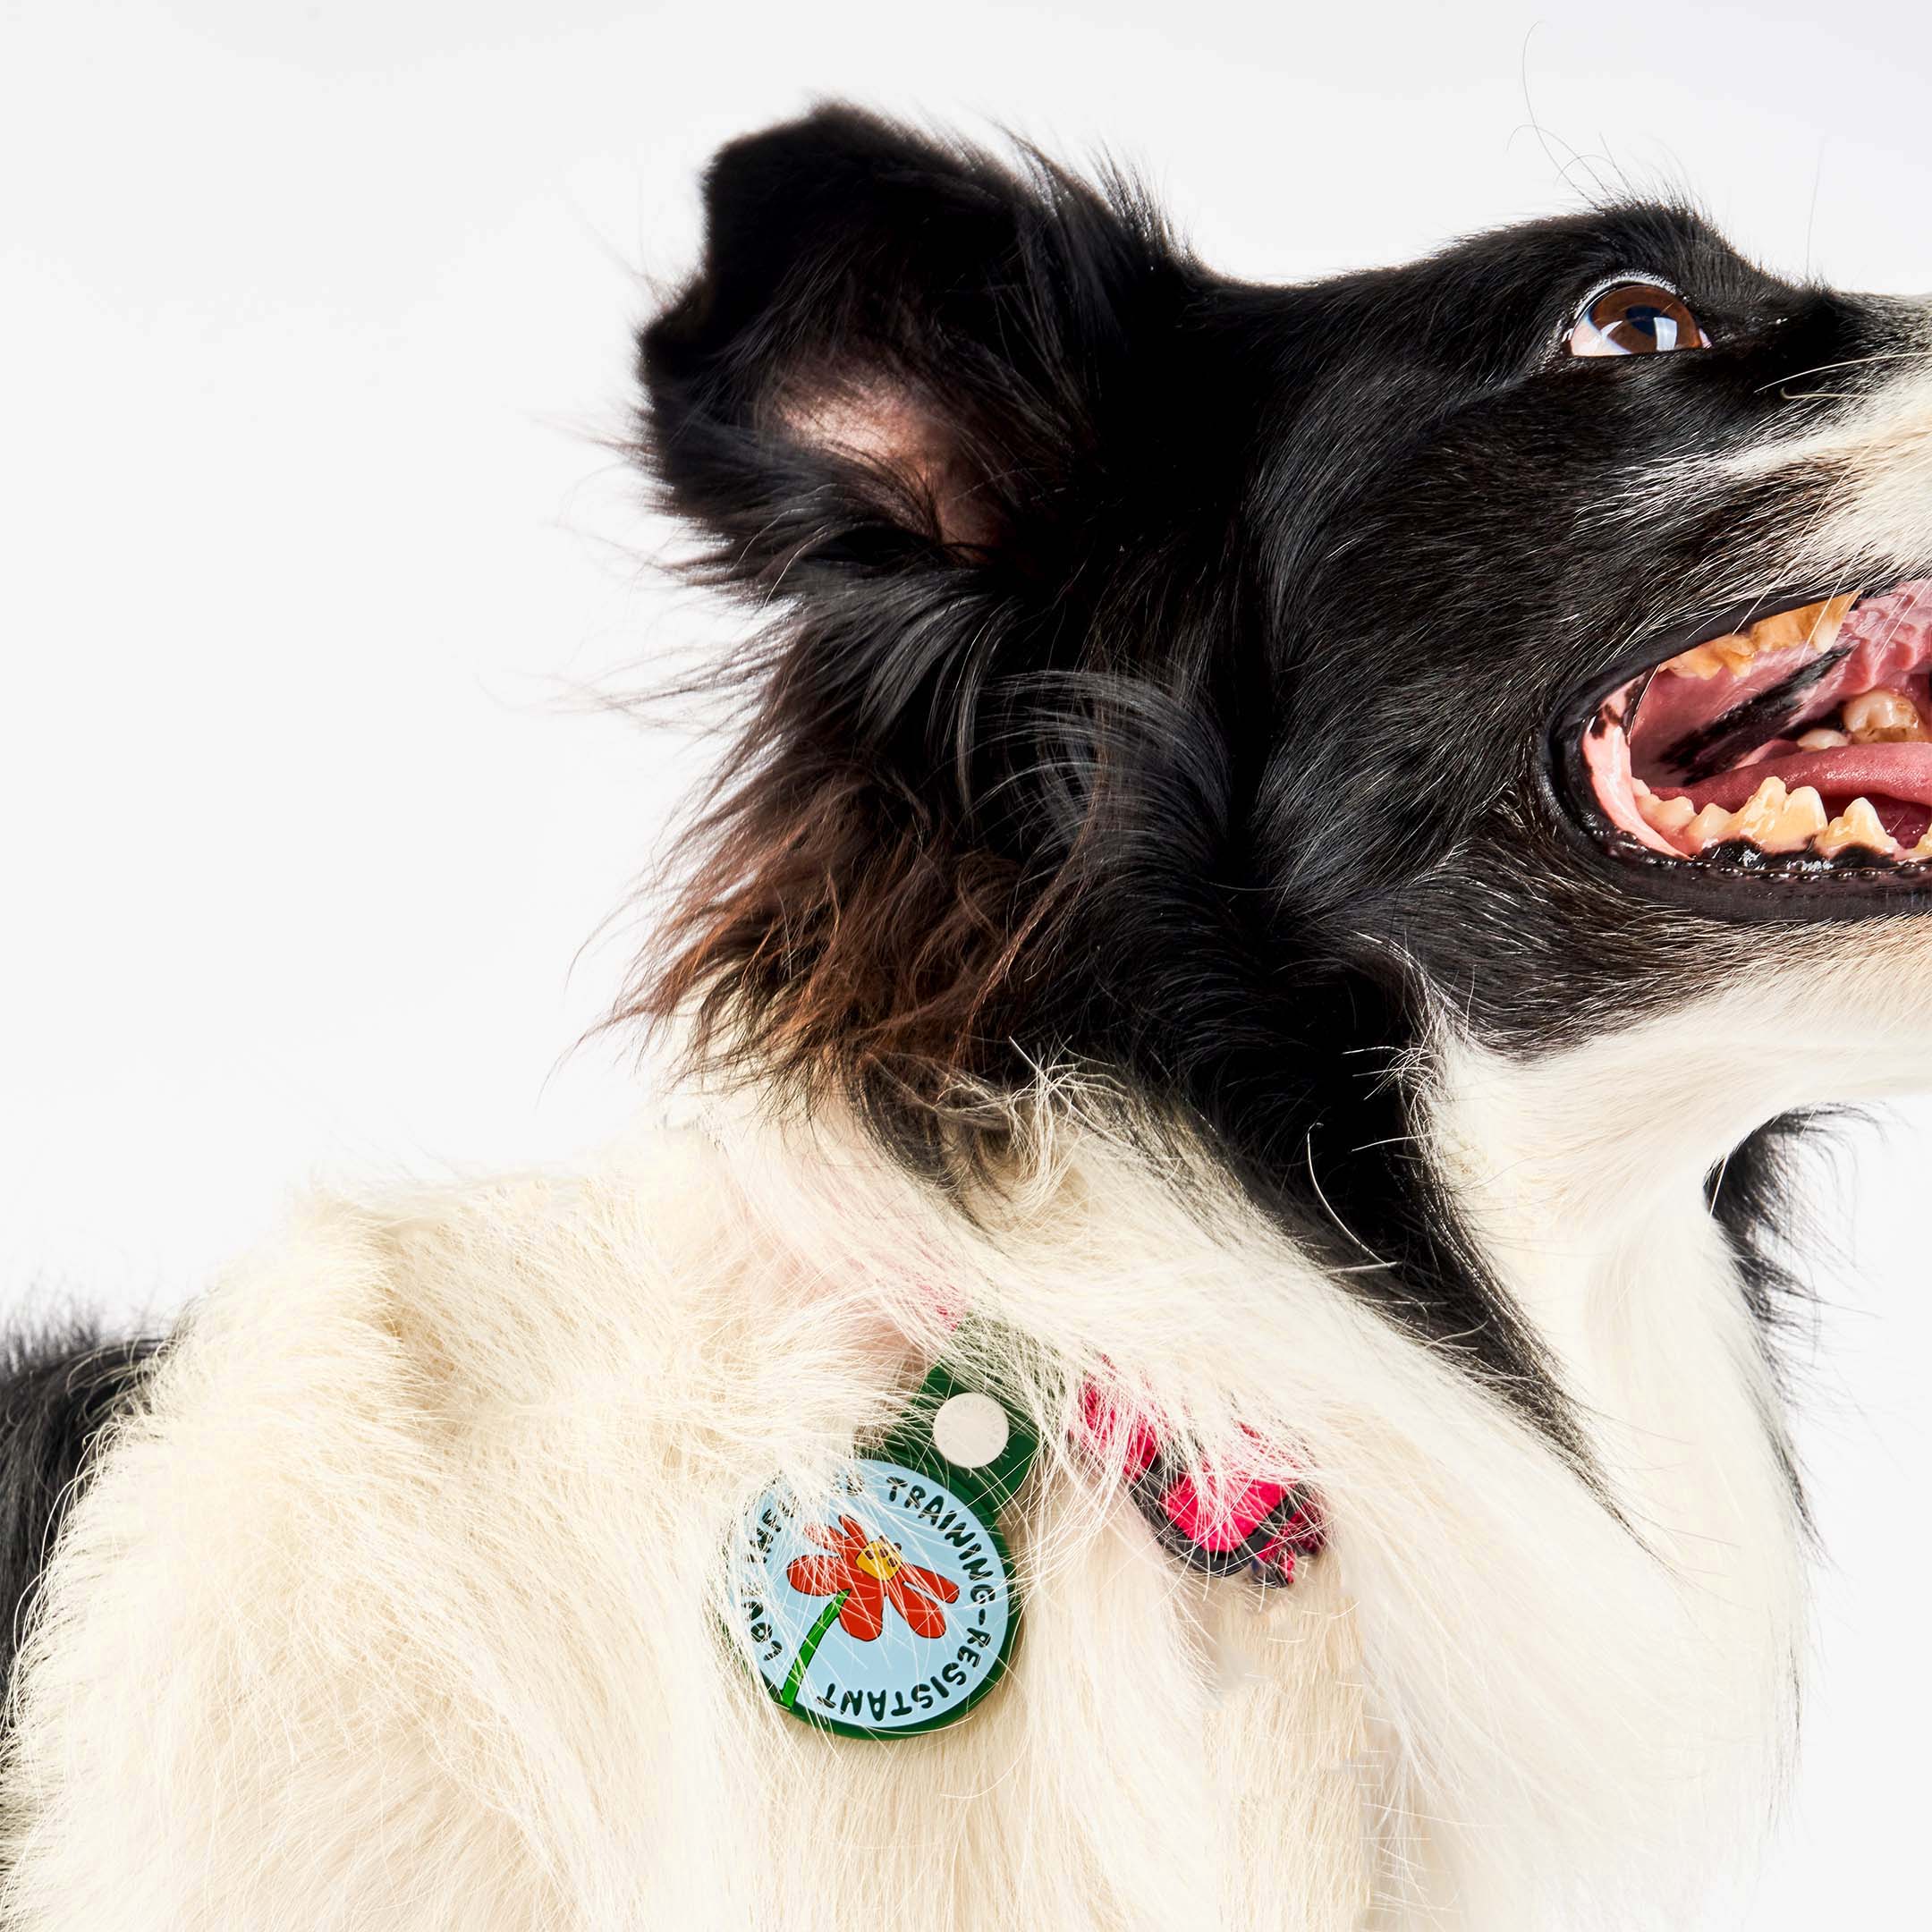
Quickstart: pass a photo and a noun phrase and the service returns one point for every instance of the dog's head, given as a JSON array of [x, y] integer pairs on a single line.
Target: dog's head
[[1236, 688]]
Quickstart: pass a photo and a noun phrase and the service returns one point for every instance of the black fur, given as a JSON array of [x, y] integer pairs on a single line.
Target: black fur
[[58, 1391], [1755, 1195], [1193, 650]]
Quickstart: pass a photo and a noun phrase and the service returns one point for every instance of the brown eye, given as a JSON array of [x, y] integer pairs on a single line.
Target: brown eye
[[1635, 319]]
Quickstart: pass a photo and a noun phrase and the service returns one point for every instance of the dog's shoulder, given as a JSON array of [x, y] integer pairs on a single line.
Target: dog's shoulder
[[455, 1307], [404, 1534]]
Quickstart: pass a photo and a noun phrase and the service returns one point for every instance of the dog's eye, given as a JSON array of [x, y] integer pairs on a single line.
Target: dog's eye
[[1634, 318]]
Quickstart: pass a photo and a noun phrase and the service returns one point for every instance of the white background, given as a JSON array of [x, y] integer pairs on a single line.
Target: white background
[[314, 337]]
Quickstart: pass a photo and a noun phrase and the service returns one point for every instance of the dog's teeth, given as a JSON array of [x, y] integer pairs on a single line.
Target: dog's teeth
[[1761, 814], [1805, 818], [1778, 821], [1668, 815], [1773, 819], [1711, 827], [1728, 654], [1857, 825], [1884, 716], [1822, 740], [1725, 654], [1816, 625]]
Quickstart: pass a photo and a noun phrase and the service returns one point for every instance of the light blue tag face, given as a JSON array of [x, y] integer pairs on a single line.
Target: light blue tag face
[[881, 1609]]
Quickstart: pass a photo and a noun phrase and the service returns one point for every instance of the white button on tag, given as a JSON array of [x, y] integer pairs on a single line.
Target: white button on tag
[[969, 1430]]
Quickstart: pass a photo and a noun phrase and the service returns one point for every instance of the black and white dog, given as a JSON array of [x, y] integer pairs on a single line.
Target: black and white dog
[[1294, 858]]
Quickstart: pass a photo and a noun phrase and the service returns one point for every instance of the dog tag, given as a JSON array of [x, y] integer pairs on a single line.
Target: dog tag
[[886, 1606]]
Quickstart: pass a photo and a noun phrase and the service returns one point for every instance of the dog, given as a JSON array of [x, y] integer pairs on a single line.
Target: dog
[[1296, 862]]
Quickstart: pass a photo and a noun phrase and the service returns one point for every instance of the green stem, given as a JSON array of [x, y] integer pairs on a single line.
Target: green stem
[[814, 1637]]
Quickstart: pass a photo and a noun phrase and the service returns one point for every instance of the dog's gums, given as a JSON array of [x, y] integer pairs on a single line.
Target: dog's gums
[[1801, 743]]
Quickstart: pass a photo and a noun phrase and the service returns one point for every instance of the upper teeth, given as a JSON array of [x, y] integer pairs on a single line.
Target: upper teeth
[[1815, 625]]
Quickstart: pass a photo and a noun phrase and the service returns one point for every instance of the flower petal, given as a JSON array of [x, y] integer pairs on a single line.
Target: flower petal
[[864, 1615], [848, 1540], [924, 1617], [818, 1576], [929, 1580]]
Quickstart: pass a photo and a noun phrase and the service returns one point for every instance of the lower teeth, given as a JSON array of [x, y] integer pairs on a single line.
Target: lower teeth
[[1857, 825], [1774, 821]]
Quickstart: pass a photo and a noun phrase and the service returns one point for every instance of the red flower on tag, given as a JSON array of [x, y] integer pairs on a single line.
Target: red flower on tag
[[872, 1572]]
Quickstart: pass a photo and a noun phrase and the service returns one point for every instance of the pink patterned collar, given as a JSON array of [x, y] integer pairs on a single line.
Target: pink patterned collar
[[1229, 1524]]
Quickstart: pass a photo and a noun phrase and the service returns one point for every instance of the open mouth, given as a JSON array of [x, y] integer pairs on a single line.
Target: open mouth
[[1796, 745]]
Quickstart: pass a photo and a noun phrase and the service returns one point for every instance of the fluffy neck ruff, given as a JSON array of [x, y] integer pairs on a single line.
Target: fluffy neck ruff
[[1558, 1667]]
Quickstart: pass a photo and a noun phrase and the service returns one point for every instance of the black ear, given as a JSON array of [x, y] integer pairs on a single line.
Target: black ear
[[950, 416], [898, 353]]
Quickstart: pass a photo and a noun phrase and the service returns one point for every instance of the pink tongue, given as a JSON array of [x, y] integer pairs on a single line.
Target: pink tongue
[[1899, 771]]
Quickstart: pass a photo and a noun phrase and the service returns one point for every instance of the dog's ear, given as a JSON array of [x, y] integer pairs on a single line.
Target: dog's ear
[[895, 355], [935, 411]]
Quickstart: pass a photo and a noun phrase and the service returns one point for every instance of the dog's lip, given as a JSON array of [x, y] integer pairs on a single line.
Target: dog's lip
[[1652, 652], [1742, 889]]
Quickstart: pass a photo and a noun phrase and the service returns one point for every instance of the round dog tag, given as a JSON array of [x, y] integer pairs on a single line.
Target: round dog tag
[[886, 1606]]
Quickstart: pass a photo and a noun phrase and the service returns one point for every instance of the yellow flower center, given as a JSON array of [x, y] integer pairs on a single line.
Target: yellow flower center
[[880, 1558]]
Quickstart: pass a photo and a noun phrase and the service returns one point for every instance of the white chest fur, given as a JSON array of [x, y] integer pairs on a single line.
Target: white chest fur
[[398, 1606]]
